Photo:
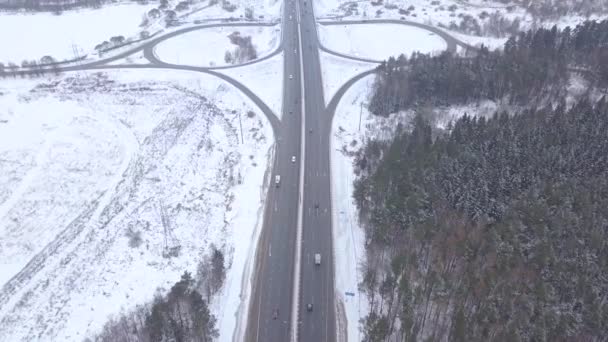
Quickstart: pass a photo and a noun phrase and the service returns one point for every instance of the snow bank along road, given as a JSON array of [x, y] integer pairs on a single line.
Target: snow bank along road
[[273, 273]]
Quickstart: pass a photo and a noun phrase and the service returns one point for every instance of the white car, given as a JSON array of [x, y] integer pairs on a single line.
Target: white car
[[291, 77], [293, 159]]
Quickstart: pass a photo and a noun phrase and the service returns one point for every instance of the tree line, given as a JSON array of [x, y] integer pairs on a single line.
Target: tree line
[[56, 6], [553, 9], [533, 66], [494, 230], [181, 315]]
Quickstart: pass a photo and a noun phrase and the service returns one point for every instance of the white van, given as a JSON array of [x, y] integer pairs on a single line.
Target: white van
[[318, 259], [277, 180]]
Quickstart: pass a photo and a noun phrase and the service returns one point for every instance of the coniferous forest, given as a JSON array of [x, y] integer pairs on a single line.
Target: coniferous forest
[[493, 229], [533, 66]]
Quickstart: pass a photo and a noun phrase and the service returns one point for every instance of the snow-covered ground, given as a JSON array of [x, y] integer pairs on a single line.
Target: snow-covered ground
[[362, 40], [442, 13], [265, 79], [348, 236], [208, 47], [90, 161], [28, 36], [267, 10], [353, 125], [490, 42], [337, 70]]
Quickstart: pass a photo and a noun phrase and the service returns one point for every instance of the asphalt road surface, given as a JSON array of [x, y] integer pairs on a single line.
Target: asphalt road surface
[[276, 252], [271, 301], [317, 281]]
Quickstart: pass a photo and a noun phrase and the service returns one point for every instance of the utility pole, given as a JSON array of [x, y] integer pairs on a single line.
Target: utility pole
[[241, 125], [360, 114]]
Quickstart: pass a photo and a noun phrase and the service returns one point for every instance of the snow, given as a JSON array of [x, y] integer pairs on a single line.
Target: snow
[[490, 42], [136, 58], [438, 13], [32, 36], [88, 157], [424, 11], [207, 47], [265, 79], [361, 40], [353, 126], [348, 235], [267, 10], [337, 70]]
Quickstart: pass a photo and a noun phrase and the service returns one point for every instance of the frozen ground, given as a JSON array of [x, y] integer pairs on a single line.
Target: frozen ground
[[208, 47], [90, 161], [32, 36], [348, 136], [337, 70], [265, 79], [379, 41], [441, 13], [266, 10]]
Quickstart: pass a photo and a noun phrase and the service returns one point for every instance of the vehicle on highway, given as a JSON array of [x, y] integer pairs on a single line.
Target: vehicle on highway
[[309, 307], [277, 180], [317, 205], [291, 77], [293, 159], [275, 314], [318, 259]]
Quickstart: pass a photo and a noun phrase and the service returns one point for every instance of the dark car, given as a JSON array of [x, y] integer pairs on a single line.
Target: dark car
[[309, 307]]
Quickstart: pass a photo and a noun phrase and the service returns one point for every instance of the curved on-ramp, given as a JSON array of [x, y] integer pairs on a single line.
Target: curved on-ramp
[[451, 41]]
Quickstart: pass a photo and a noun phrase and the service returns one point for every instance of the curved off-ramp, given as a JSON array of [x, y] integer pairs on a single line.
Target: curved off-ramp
[[147, 47], [150, 53], [451, 42], [272, 118]]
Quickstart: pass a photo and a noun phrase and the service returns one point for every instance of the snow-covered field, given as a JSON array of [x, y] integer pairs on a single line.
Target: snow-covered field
[[348, 236], [91, 162], [32, 36], [352, 126], [265, 79], [208, 47], [337, 70], [362, 40], [267, 10], [441, 13]]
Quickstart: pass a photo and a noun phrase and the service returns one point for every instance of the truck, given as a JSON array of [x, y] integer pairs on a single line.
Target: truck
[[277, 180], [318, 259]]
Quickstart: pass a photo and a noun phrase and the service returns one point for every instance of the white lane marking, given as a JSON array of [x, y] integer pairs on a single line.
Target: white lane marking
[[296, 274]]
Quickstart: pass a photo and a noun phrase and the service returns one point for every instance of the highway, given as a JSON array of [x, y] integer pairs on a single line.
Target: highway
[[270, 309], [317, 281], [274, 278], [277, 311]]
